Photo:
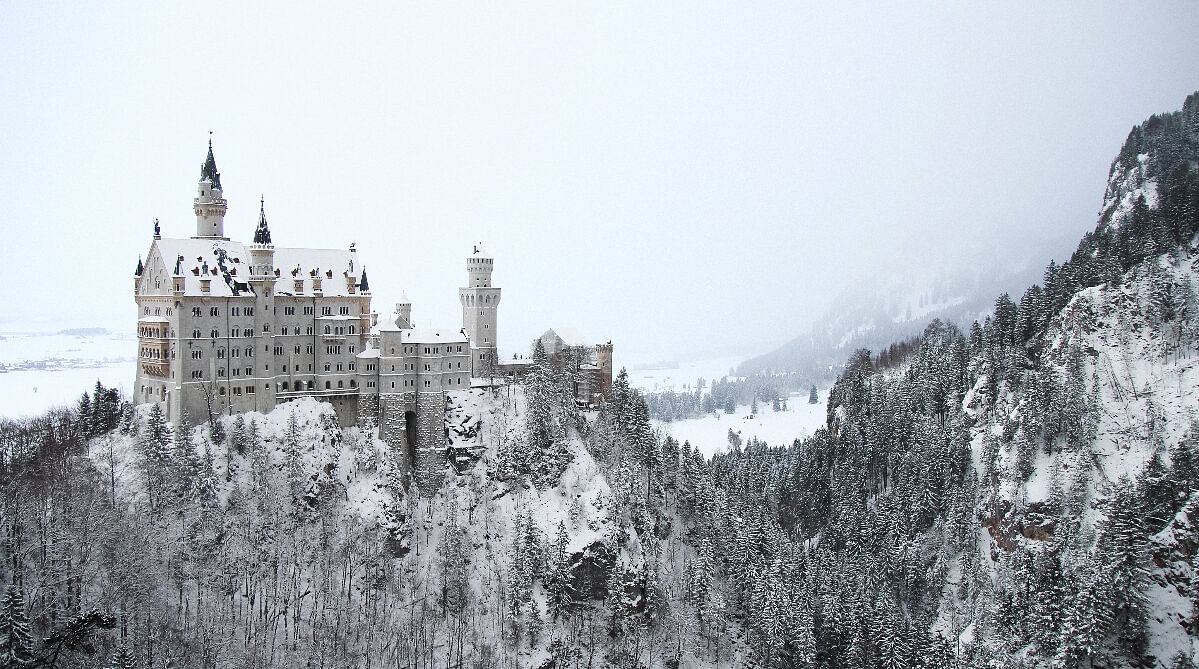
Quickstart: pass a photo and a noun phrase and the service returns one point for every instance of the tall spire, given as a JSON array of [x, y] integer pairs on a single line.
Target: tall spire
[[262, 235], [208, 169], [363, 285]]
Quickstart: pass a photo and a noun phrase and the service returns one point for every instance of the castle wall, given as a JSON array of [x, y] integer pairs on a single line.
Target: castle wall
[[430, 441]]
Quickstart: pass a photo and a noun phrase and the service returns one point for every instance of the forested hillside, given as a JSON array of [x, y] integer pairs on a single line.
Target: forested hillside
[[1021, 494]]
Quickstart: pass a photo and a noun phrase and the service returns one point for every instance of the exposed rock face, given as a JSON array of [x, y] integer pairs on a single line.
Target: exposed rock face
[[589, 570]]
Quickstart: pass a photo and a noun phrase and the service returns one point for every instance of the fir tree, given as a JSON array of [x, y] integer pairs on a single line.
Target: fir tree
[[16, 639]]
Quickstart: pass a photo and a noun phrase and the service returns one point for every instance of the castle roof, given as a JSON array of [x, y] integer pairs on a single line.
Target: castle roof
[[568, 336], [208, 170], [227, 265]]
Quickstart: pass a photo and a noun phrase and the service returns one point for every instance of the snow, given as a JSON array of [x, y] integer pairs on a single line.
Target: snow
[[31, 392], [710, 434], [47, 369], [680, 376]]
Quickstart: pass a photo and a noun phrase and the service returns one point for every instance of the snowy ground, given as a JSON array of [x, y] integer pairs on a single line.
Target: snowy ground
[[680, 376], [30, 392], [46, 369], [710, 434]]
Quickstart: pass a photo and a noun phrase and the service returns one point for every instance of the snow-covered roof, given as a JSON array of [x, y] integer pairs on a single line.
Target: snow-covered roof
[[423, 335], [227, 265], [153, 319], [569, 336], [369, 353]]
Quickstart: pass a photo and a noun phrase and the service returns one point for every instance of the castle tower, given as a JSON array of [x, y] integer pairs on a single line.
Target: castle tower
[[262, 282], [210, 205], [479, 302], [403, 313], [603, 360]]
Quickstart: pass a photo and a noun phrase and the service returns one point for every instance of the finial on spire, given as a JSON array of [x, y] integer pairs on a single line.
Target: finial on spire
[[157, 230]]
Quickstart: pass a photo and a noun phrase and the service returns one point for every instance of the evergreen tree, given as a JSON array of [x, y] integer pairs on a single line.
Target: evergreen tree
[[813, 398], [16, 639]]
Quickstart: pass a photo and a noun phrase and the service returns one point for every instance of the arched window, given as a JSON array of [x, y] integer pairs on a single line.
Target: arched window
[[340, 385], [326, 329], [309, 385], [353, 383], [328, 385], [353, 329], [221, 390]]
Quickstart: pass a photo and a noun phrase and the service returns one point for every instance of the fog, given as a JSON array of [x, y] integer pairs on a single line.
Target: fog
[[678, 178]]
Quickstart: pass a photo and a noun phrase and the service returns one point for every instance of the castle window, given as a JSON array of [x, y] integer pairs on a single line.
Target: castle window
[[220, 354], [196, 355], [351, 348], [308, 349], [214, 312], [326, 366], [196, 312], [250, 390], [289, 311], [393, 384], [235, 311], [344, 311], [196, 333], [197, 374], [284, 330], [328, 385], [279, 351], [308, 330], [220, 372], [221, 390], [351, 366], [300, 387], [236, 390], [145, 311], [309, 385], [249, 311], [340, 385], [249, 371], [326, 311], [214, 333], [353, 330], [326, 329], [308, 311], [353, 383], [297, 350], [266, 327]]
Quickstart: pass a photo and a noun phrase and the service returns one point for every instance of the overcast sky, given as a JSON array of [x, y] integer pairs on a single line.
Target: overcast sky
[[674, 177]]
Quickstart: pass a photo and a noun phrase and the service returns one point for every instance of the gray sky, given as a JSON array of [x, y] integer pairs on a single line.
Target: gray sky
[[675, 177]]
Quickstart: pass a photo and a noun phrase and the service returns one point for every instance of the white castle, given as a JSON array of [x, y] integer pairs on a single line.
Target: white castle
[[225, 327]]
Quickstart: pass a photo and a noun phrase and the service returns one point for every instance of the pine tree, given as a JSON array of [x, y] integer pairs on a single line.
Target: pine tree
[[16, 639], [122, 659], [813, 397]]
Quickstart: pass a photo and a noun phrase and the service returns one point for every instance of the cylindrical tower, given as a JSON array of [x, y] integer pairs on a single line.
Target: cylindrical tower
[[480, 302], [209, 204]]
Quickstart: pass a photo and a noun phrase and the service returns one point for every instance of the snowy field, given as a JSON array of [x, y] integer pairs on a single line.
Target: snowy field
[[711, 433], [30, 392], [47, 369], [680, 376]]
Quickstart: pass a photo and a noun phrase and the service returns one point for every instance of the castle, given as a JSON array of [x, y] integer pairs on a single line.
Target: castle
[[226, 327]]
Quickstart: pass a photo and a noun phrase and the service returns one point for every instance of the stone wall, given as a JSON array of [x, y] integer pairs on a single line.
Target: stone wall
[[430, 441]]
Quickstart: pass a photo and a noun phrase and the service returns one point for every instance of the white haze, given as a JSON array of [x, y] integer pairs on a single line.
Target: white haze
[[675, 177]]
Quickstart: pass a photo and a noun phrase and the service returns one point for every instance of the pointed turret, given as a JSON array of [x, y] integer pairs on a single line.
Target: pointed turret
[[210, 205], [262, 235], [208, 170], [140, 268], [363, 286]]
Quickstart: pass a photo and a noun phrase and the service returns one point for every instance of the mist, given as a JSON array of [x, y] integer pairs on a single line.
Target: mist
[[678, 179]]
